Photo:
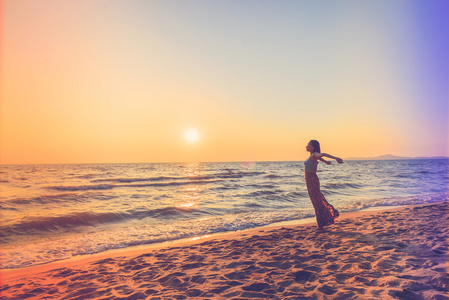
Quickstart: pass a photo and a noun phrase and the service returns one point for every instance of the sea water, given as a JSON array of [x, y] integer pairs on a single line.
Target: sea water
[[53, 212]]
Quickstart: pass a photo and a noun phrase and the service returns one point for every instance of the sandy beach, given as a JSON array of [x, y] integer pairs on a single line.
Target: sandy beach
[[392, 254]]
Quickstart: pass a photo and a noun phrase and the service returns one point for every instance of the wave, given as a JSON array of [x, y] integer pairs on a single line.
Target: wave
[[162, 184], [95, 242], [342, 186], [42, 225], [155, 181], [273, 176], [263, 193], [128, 180], [415, 174], [278, 196], [64, 198], [85, 176], [43, 199], [112, 186], [422, 172], [99, 241], [396, 201], [82, 187], [294, 196], [260, 186], [220, 175], [253, 205]]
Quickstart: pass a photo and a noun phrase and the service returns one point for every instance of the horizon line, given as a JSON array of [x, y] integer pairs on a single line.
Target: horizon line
[[380, 157]]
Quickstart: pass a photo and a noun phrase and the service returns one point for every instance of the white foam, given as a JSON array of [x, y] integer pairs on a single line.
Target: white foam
[[99, 241], [395, 201], [44, 252]]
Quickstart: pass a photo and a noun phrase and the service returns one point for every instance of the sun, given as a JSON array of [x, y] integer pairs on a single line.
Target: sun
[[192, 135]]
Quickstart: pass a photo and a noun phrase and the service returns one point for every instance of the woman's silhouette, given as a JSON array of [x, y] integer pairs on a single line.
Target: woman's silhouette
[[324, 212]]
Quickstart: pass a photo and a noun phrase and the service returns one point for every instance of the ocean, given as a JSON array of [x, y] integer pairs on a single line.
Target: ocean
[[54, 212]]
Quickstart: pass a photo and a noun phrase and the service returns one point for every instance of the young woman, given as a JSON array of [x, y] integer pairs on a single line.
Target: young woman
[[324, 212]]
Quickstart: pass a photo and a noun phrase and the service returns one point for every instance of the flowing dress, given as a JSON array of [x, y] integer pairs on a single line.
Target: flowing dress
[[324, 212]]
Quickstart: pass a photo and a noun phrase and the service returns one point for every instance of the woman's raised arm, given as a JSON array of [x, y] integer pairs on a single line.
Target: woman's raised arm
[[320, 155]]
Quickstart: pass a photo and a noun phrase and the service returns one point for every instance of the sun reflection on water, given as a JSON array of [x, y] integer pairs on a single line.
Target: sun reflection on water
[[191, 194]]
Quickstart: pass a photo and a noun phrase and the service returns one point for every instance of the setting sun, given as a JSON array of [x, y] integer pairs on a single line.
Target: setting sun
[[192, 135]]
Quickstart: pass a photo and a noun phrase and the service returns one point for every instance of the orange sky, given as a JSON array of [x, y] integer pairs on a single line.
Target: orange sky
[[122, 81]]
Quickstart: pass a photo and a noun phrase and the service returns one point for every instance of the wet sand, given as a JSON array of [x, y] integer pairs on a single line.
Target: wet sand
[[392, 254]]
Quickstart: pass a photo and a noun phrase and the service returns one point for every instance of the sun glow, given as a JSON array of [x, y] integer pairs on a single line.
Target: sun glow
[[192, 135]]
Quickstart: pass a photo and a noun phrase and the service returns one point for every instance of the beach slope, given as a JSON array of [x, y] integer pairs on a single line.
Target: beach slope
[[393, 254]]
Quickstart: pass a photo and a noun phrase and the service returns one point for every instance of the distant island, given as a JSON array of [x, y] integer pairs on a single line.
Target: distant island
[[394, 157]]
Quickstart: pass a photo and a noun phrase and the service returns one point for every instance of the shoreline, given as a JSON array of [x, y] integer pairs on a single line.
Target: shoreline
[[399, 252], [6, 273]]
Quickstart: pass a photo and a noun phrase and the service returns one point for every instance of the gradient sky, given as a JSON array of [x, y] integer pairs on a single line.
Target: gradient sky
[[122, 81]]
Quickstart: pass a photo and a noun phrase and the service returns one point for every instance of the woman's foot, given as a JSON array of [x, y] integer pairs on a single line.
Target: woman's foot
[[320, 229]]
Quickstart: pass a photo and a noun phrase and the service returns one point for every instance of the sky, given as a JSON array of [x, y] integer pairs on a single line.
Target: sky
[[108, 81]]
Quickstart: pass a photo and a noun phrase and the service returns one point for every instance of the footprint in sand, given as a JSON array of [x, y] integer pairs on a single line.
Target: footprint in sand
[[304, 276]]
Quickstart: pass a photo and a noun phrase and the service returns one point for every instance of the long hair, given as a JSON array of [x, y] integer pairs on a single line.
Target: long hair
[[316, 146]]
